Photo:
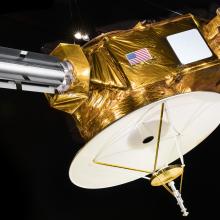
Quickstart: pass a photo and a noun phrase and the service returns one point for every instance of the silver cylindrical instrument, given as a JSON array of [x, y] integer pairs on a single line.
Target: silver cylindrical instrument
[[31, 71]]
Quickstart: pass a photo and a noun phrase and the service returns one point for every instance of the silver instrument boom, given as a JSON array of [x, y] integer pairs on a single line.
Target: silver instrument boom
[[32, 71]]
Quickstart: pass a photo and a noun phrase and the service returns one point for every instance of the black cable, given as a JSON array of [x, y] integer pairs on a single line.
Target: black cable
[[70, 7], [78, 11], [162, 7]]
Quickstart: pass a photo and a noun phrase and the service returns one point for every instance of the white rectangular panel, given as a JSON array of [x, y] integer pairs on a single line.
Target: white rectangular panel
[[189, 46]]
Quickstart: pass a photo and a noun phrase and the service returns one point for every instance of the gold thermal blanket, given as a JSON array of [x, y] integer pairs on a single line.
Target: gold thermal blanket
[[116, 87]]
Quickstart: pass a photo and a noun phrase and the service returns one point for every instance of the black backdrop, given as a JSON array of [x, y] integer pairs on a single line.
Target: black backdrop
[[37, 143]]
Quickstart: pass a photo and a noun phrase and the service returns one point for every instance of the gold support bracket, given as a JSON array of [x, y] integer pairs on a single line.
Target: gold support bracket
[[121, 167], [158, 136]]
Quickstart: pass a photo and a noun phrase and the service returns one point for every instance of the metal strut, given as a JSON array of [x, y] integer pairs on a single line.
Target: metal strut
[[158, 136], [171, 189]]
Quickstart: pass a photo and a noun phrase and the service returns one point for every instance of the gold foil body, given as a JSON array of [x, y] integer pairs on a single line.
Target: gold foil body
[[118, 88], [79, 89], [211, 32]]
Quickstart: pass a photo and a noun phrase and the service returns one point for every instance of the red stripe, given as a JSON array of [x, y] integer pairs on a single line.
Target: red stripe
[[143, 53], [141, 56], [138, 60]]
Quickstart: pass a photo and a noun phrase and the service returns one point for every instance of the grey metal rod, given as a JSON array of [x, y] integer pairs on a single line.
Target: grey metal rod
[[35, 72], [31, 70]]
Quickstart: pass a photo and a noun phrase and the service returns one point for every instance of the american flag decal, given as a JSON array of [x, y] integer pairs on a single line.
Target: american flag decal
[[138, 56]]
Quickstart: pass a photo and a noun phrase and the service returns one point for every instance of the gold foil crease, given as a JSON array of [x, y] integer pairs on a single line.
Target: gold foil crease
[[118, 44], [117, 88], [211, 32], [78, 91]]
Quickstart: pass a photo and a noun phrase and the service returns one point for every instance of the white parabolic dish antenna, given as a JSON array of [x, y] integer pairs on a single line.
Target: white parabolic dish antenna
[[129, 148], [189, 117]]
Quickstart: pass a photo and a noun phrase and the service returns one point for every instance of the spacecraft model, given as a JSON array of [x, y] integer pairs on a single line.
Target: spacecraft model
[[139, 97]]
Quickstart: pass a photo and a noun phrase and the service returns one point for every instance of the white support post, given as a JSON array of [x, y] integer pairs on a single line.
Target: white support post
[[178, 197], [178, 134]]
